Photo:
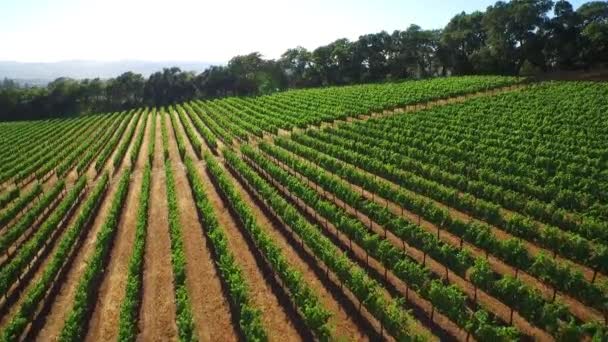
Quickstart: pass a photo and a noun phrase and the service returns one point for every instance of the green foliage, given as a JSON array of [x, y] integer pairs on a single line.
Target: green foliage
[[364, 288], [10, 273], [307, 302], [413, 234], [214, 126], [22, 201], [447, 299], [164, 133], [186, 110], [88, 144], [139, 138], [122, 148], [190, 133], [507, 37], [152, 137], [344, 157], [129, 309], [184, 318], [28, 219], [36, 155], [65, 250], [74, 328], [9, 196], [100, 147], [250, 317], [179, 139]]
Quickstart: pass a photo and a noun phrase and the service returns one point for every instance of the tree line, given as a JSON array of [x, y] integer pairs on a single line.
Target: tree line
[[508, 38]]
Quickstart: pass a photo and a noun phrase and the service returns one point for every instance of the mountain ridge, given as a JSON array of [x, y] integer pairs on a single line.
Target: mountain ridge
[[40, 73]]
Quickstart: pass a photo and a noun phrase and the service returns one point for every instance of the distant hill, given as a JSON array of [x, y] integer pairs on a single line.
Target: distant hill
[[42, 73]]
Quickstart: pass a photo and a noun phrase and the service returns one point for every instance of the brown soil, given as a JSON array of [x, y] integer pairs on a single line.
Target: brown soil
[[579, 309], [103, 325], [72, 174], [53, 322], [275, 318], [210, 308], [91, 173], [37, 274], [29, 232], [368, 322], [39, 269], [189, 146], [5, 186], [342, 320], [46, 186], [18, 217], [157, 312], [58, 311]]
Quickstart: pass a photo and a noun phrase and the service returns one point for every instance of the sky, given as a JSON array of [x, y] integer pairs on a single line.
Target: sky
[[202, 30]]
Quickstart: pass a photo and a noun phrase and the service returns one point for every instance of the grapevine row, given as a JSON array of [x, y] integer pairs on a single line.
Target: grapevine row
[[57, 266], [74, 328], [10, 273], [184, 319], [129, 309], [511, 251], [20, 204], [388, 311], [448, 299], [307, 302]]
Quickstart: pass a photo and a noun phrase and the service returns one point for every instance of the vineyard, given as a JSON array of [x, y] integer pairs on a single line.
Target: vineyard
[[463, 208]]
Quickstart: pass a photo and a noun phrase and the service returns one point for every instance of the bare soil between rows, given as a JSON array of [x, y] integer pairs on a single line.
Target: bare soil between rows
[[210, 307], [157, 312], [103, 325]]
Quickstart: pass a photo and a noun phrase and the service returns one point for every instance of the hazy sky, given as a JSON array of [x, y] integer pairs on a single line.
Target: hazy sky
[[201, 30]]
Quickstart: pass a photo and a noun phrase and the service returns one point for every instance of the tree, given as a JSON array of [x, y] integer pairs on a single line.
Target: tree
[[170, 86], [254, 75], [215, 81], [338, 63], [297, 64], [62, 96], [563, 37], [372, 52], [414, 52], [126, 90], [245, 68], [594, 31], [94, 95], [515, 33], [462, 38], [510, 37]]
